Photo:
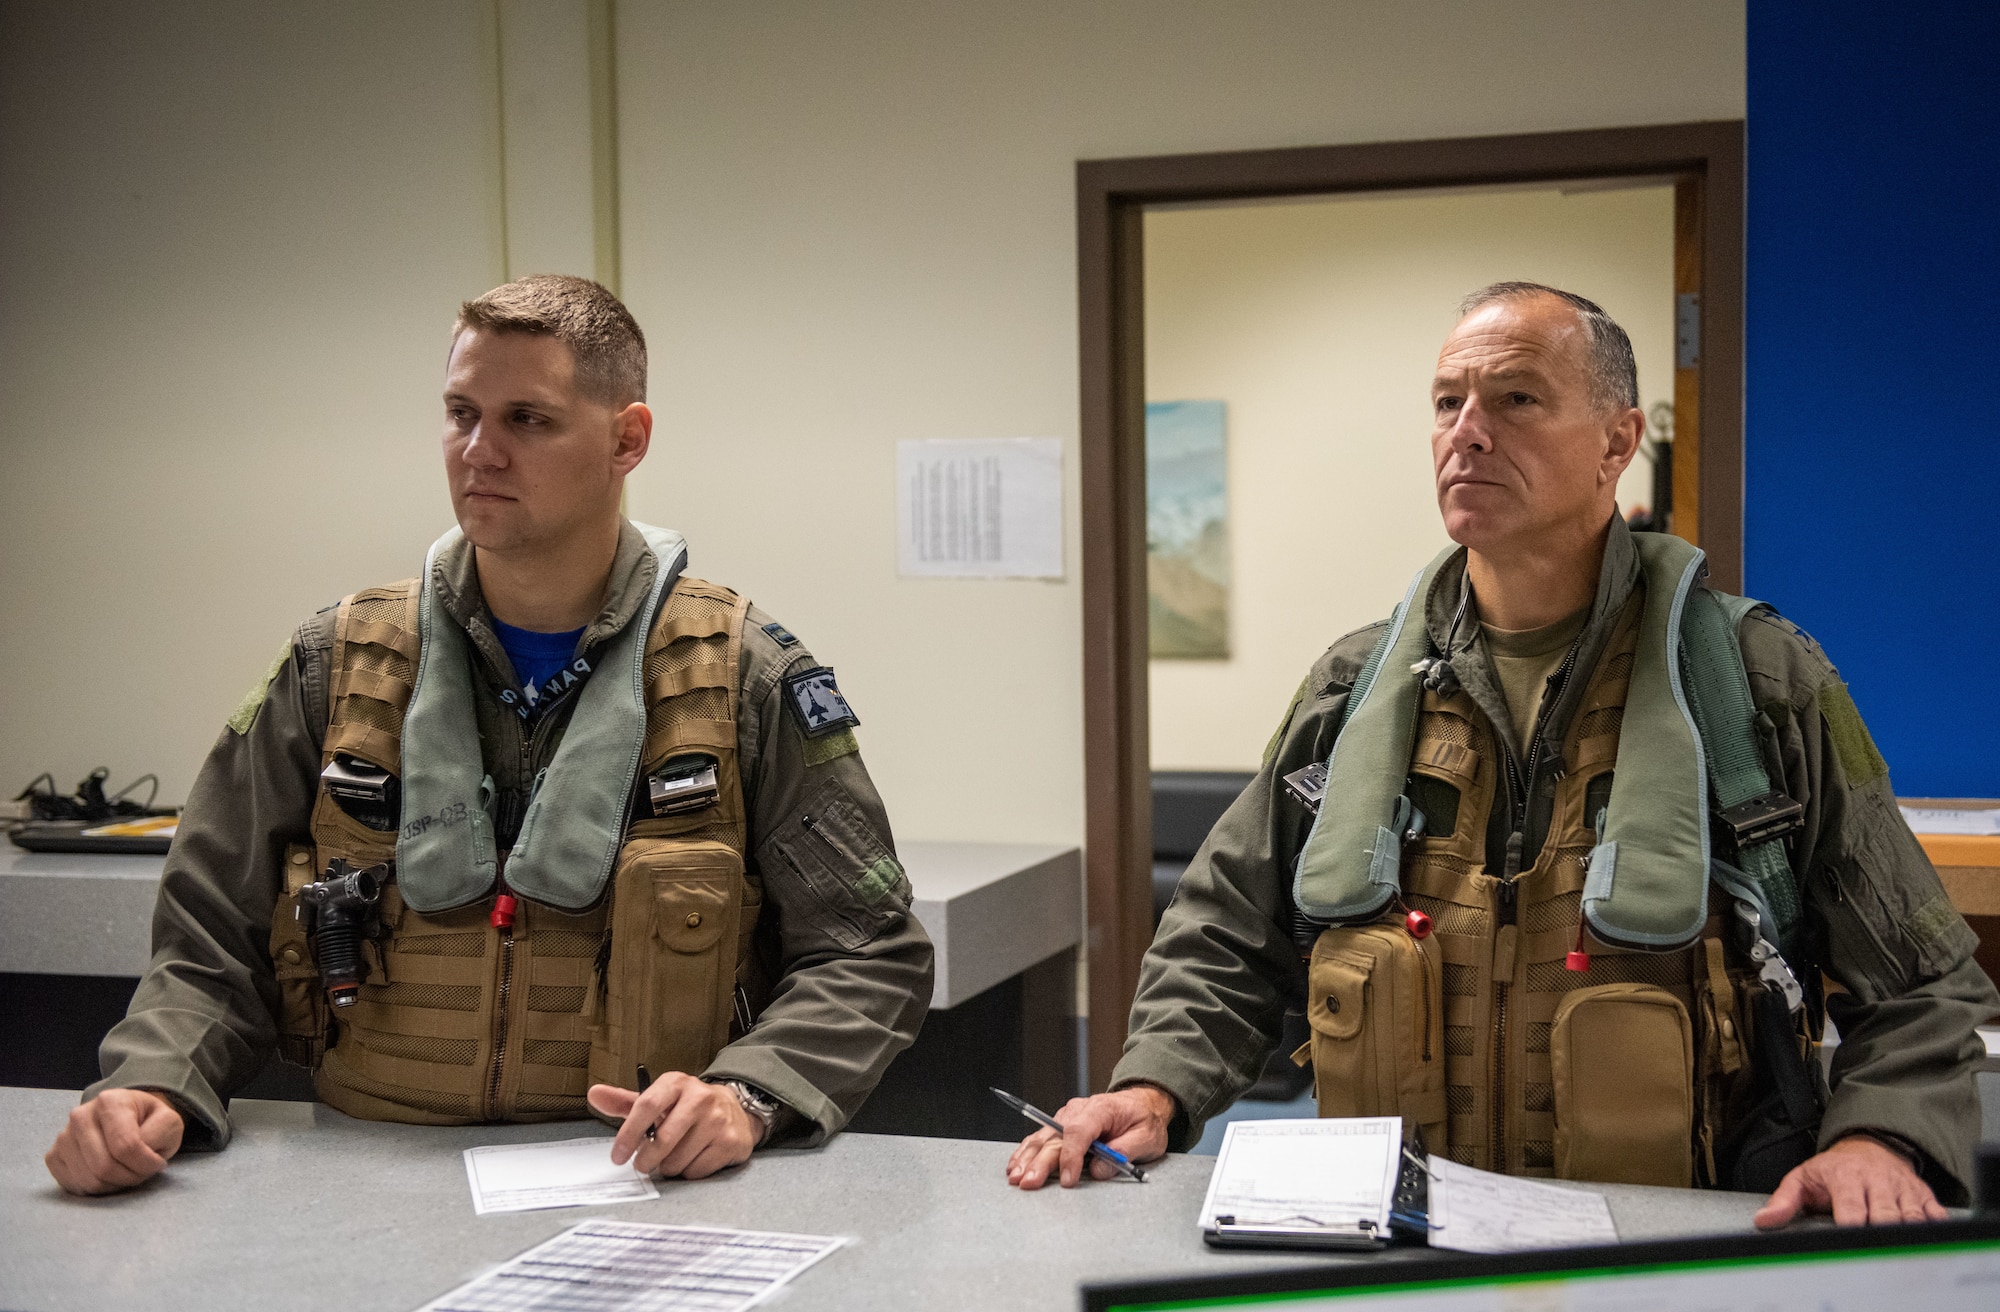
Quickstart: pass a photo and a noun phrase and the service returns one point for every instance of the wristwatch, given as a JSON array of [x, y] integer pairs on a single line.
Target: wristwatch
[[763, 1108]]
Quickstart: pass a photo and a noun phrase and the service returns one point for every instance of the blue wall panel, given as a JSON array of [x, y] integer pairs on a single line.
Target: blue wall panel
[[1872, 436]]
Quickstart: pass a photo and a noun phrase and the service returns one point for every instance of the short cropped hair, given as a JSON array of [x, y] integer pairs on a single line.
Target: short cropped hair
[[601, 334], [1613, 373]]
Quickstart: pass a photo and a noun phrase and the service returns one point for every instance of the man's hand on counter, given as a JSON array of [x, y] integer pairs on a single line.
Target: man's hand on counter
[[118, 1139], [1132, 1120], [1861, 1181], [698, 1129]]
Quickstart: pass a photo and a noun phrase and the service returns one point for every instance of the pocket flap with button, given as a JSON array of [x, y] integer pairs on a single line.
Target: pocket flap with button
[[690, 917], [1343, 979]]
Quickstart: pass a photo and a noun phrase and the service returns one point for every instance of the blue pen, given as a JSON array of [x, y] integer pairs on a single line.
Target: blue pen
[[1119, 1161]]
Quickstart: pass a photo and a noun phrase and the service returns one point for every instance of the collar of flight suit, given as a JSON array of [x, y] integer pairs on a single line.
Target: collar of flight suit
[[455, 575], [1616, 577]]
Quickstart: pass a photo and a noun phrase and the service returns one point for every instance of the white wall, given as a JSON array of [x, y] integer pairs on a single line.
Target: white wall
[[1319, 324], [849, 224], [232, 236]]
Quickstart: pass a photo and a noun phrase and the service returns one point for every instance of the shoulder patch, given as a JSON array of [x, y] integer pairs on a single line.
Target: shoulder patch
[[1859, 757], [246, 710], [816, 702], [780, 634]]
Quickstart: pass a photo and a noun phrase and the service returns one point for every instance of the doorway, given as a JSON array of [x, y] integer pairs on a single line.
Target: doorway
[[1683, 178]]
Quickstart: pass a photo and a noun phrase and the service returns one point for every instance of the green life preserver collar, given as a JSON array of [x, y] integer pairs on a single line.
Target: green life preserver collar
[[1647, 884]]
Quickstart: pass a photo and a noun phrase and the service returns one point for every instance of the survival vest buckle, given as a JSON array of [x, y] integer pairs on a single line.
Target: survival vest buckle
[[1772, 971], [1763, 818], [1308, 786]]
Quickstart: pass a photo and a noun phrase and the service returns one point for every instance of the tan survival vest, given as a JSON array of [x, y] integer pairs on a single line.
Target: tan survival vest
[[461, 1021], [1479, 1035]]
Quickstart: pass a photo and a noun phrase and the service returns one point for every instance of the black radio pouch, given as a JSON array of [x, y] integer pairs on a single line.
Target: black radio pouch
[[1781, 1129]]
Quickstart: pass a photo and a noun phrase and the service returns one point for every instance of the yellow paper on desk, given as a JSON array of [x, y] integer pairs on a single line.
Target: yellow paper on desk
[[152, 826]]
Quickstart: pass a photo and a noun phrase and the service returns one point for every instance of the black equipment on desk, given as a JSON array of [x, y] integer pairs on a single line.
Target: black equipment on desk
[[1943, 1264], [89, 821]]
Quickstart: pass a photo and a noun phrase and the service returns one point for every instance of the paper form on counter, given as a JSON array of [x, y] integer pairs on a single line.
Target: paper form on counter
[[626, 1266], [1476, 1211], [525, 1177]]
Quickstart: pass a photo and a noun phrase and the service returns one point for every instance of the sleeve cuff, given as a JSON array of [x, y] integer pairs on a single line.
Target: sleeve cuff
[[206, 1125], [765, 1069]]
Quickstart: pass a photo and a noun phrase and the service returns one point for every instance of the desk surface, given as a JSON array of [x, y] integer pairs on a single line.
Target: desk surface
[[309, 1209]]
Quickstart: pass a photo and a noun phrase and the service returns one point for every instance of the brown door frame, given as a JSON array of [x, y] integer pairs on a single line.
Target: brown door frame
[[1706, 161]]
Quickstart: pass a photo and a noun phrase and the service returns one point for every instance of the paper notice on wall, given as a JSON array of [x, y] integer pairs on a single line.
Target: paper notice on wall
[[979, 508]]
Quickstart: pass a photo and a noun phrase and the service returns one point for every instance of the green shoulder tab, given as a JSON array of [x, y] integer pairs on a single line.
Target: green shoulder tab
[[818, 751], [246, 710], [1860, 760]]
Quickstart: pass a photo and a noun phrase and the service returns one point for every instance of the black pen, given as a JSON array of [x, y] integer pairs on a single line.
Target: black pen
[[645, 1083], [1119, 1161]]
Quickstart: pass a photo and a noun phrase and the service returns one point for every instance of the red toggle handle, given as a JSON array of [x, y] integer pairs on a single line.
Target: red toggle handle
[[1418, 924], [503, 911]]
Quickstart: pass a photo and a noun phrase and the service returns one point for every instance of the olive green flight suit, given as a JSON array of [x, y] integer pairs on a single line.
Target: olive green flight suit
[[851, 967], [1215, 984]]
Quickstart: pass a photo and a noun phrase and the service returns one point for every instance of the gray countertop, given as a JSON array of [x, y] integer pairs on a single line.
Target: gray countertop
[[992, 909], [309, 1209]]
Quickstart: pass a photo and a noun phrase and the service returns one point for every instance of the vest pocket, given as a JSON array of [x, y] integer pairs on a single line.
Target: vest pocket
[[1375, 1002], [671, 975], [1622, 1059]]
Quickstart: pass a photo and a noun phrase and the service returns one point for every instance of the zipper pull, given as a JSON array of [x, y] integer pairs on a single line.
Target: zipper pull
[[503, 911], [1513, 863], [1505, 945]]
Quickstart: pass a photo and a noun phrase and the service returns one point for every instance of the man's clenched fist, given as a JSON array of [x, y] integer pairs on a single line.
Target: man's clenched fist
[[120, 1138]]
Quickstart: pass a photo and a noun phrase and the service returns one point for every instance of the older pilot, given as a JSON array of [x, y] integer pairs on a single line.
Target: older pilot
[[1598, 851]]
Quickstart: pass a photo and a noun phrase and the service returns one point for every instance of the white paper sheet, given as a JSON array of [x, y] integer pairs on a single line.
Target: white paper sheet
[[567, 1173], [1476, 1211], [1333, 1172], [1952, 820], [625, 1266], [979, 508]]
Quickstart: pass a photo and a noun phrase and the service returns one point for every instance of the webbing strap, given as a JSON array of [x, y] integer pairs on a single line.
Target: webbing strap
[[1728, 719]]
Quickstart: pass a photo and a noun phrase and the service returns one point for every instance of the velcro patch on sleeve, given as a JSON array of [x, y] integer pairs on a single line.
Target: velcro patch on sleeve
[[817, 704], [780, 634], [818, 751], [882, 878], [246, 710], [1859, 759]]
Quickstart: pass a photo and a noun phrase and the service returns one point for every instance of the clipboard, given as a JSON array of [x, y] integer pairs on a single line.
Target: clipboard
[[1338, 1183]]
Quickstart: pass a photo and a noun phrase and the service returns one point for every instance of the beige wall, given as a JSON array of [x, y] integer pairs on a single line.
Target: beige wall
[[1319, 323], [231, 240], [849, 224], [841, 225]]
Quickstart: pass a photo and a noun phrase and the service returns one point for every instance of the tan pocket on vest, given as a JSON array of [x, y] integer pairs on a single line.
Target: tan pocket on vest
[[1623, 1064], [671, 978], [302, 1007], [1375, 1001]]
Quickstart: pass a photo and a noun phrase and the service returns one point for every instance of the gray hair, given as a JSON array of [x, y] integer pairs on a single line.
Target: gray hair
[[1614, 374]]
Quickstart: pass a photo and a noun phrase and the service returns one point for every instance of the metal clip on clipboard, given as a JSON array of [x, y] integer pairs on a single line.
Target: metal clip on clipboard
[[1231, 1233]]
